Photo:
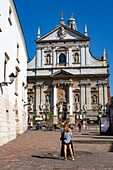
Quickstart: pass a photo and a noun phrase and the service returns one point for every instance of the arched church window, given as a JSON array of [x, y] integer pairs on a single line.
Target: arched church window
[[62, 59], [76, 58], [48, 59]]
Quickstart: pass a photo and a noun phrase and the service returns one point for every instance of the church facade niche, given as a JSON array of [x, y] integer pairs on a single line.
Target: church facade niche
[[76, 55], [48, 57]]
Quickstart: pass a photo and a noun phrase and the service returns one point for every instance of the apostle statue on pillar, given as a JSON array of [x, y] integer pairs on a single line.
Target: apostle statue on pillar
[[77, 107], [60, 107], [68, 107]]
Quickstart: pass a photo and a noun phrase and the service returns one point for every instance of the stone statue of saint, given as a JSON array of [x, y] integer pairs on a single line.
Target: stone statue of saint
[[77, 107], [84, 107], [100, 107], [94, 99], [76, 58], [68, 107], [76, 98], [48, 106], [40, 107], [61, 107], [47, 99]]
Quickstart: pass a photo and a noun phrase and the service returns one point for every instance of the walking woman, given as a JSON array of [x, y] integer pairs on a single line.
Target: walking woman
[[67, 141]]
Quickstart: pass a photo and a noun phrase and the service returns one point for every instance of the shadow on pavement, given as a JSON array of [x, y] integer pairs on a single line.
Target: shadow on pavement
[[46, 157], [57, 156]]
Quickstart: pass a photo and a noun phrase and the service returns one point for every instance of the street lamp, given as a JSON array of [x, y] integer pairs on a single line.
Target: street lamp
[[12, 77]]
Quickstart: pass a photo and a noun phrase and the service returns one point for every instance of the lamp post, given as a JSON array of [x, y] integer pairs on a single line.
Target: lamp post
[[12, 77]]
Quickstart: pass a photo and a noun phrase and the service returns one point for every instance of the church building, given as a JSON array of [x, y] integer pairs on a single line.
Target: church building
[[65, 78]]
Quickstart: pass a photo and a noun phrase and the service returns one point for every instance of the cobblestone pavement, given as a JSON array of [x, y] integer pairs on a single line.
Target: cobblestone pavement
[[40, 150]]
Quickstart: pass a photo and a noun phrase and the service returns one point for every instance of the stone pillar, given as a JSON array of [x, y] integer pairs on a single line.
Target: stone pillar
[[54, 104], [38, 64], [54, 98], [34, 109], [57, 59], [67, 58], [42, 57], [53, 57], [70, 99], [82, 55], [69, 54]]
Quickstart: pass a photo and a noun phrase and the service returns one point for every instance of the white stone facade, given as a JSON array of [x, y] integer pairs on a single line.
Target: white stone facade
[[65, 70], [13, 59]]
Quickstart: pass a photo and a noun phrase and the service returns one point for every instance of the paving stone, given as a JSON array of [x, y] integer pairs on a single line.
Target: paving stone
[[40, 150]]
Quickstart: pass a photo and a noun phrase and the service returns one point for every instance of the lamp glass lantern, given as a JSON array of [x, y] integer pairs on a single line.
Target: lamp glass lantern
[[12, 77]]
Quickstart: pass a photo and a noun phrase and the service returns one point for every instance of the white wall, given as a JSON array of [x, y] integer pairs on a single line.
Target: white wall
[[9, 37]]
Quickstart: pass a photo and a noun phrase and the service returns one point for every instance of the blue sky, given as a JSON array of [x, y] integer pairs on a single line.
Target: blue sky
[[96, 14]]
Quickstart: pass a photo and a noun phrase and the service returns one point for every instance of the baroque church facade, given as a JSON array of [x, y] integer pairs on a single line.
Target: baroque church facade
[[65, 78]]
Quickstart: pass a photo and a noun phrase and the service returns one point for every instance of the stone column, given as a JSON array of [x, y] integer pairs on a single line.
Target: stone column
[[34, 109], [82, 55], [70, 99], [70, 59], [54, 57], [38, 58], [54, 104], [67, 58], [54, 99], [42, 57]]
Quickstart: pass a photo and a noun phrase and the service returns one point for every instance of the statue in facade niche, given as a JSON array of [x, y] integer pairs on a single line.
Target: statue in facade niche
[[76, 98], [47, 99], [84, 108], [48, 59], [68, 107], [77, 107], [76, 58], [60, 107], [94, 99], [100, 107], [48, 106], [40, 108], [47, 102]]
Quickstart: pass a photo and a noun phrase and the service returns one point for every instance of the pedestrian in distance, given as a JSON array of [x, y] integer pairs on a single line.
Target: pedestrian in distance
[[67, 141], [80, 125]]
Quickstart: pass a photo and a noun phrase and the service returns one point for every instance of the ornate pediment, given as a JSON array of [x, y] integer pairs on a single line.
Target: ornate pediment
[[62, 32], [61, 73]]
